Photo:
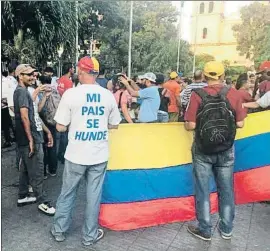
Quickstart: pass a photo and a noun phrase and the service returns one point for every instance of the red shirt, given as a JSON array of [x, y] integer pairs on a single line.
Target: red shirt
[[64, 83], [232, 96], [244, 96], [264, 86]]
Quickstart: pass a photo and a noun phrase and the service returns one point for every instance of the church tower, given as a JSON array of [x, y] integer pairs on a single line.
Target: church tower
[[207, 18], [212, 33]]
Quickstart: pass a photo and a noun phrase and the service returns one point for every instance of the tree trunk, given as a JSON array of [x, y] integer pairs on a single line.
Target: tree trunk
[[18, 41]]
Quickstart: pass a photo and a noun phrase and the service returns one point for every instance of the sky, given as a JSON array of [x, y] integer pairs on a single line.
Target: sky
[[230, 7]]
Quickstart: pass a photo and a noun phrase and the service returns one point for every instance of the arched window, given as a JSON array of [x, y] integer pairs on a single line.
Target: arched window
[[201, 8], [211, 7], [204, 33]]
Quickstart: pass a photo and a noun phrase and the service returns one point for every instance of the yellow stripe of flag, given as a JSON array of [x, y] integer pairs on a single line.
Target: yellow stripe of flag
[[143, 146]]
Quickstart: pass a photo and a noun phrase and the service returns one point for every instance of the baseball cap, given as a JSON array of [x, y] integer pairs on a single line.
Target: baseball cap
[[264, 66], [173, 75], [24, 69], [213, 69], [149, 75], [89, 64]]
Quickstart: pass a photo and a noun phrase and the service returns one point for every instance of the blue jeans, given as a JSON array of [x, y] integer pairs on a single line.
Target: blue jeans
[[73, 173], [221, 165], [163, 117]]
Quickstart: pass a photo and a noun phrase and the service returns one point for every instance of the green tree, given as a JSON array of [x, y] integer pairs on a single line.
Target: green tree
[[264, 50], [202, 59], [96, 18], [33, 31], [39, 27], [253, 32], [154, 39]]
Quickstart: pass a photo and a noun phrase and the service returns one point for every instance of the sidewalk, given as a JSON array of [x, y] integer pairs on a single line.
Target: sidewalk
[[25, 229]]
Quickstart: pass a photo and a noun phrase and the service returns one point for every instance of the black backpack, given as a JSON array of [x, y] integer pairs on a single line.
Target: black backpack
[[164, 101], [215, 124]]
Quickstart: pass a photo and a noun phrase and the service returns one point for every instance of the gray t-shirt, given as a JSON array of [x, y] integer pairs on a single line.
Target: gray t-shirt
[[22, 98], [264, 101]]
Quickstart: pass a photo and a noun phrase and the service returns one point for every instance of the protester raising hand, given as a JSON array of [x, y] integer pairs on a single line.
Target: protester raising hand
[[124, 81]]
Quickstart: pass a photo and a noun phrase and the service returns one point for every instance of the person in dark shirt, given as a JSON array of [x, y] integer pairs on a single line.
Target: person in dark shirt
[[29, 141], [101, 80], [163, 115]]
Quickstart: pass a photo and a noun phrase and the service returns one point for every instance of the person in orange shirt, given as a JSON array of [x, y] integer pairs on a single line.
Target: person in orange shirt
[[173, 85], [65, 83]]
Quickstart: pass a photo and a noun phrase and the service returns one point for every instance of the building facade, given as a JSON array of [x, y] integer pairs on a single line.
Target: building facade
[[212, 32]]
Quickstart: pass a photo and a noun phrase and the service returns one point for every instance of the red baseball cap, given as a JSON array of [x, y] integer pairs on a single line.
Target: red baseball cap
[[264, 66], [89, 64]]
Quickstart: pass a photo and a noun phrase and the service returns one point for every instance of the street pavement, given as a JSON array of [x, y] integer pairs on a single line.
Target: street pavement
[[26, 229]]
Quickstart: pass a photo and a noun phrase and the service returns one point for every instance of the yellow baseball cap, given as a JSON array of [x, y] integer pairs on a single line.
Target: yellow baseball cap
[[173, 75], [213, 69]]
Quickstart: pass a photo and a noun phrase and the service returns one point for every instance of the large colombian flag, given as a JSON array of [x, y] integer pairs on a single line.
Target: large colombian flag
[[149, 178]]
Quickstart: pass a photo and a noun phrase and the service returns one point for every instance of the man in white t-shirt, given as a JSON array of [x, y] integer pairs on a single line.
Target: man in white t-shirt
[[9, 85], [263, 102], [12, 85], [88, 111]]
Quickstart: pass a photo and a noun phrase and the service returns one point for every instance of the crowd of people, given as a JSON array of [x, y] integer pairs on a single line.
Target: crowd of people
[[58, 120]]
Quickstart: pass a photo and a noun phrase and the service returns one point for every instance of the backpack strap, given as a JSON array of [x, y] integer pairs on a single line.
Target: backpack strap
[[224, 91], [201, 92], [120, 99], [160, 90], [165, 92]]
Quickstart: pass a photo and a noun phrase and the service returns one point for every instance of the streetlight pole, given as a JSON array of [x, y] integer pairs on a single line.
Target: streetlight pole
[[91, 45], [60, 52], [130, 39], [179, 41], [77, 35], [195, 42]]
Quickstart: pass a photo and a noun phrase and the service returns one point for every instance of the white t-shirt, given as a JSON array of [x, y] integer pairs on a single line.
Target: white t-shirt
[[54, 82], [87, 109], [9, 85], [5, 90], [35, 104], [264, 101]]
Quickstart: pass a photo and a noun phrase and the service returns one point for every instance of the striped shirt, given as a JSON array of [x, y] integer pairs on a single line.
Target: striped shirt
[[186, 93]]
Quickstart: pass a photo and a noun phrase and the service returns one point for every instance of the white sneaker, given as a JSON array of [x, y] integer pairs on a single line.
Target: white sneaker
[[26, 201], [46, 208], [225, 236], [100, 236], [52, 174]]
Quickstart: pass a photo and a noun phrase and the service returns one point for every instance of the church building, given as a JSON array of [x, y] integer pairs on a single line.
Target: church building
[[212, 32]]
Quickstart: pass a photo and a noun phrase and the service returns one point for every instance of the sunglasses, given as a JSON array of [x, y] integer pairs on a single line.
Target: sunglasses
[[28, 74]]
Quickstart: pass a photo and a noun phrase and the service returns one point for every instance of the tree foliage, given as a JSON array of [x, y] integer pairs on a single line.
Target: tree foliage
[[39, 27], [33, 31], [254, 31], [154, 39], [202, 59]]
